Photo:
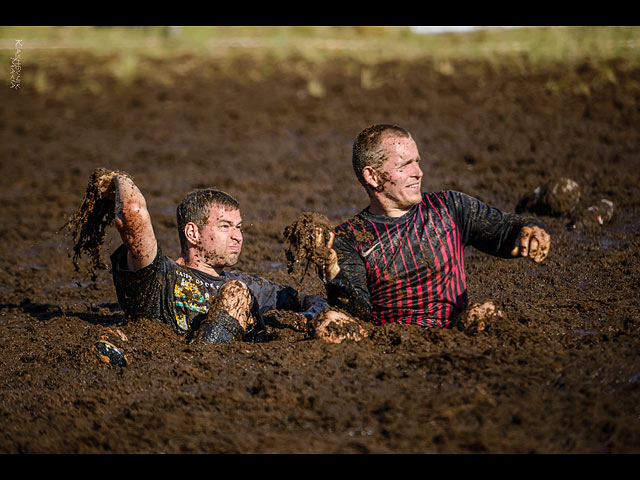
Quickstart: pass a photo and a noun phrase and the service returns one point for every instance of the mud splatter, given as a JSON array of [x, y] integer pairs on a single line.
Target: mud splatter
[[559, 197], [301, 248], [88, 224]]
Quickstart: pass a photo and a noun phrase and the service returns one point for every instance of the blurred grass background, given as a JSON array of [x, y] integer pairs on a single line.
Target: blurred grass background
[[563, 44], [167, 54]]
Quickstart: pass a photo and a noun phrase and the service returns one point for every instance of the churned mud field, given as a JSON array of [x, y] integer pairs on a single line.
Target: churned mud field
[[560, 373]]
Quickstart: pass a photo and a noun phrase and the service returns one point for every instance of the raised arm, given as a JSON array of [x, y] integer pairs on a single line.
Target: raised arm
[[131, 218]]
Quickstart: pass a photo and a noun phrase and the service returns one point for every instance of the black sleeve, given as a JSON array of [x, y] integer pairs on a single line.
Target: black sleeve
[[487, 228], [139, 293], [348, 290]]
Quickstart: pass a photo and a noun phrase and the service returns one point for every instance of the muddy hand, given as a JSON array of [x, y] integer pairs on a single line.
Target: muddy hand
[[106, 185], [479, 317], [533, 243], [332, 326], [331, 267]]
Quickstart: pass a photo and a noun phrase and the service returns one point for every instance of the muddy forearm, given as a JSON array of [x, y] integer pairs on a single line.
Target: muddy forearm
[[347, 285], [133, 222]]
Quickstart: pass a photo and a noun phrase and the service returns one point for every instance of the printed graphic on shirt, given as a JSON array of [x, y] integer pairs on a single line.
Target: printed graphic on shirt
[[189, 301]]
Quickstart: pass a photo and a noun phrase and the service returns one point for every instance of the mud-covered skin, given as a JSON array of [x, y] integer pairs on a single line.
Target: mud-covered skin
[[334, 326], [478, 317], [234, 297]]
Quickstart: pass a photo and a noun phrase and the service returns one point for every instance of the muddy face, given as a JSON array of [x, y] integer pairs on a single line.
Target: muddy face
[[220, 242], [399, 178]]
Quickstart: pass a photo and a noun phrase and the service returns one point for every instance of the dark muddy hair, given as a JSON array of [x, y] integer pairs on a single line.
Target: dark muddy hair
[[366, 147], [195, 208]]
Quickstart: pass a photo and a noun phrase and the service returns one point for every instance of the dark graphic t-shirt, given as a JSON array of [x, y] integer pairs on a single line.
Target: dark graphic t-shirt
[[410, 269], [181, 296]]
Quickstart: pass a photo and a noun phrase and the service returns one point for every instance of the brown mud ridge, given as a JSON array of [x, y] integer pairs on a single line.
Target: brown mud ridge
[[559, 372]]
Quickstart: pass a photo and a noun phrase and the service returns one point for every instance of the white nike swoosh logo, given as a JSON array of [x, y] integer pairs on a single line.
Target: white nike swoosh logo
[[369, 250]]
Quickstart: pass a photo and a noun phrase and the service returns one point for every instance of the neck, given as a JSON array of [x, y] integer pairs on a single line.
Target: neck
[[191, 259], [378, 206]]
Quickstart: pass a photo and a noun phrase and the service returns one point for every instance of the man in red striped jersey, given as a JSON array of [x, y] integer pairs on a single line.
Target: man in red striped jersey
[[401, 258]]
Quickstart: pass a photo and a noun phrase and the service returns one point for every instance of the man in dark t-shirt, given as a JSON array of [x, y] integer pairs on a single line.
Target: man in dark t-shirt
[[401, 259], [182, 296], [196, 293]]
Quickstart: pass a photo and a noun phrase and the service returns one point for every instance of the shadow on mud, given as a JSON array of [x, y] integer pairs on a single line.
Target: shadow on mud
[[96, 315]]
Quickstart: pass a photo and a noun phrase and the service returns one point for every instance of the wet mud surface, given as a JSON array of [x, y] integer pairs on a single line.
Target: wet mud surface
[[560, 372]]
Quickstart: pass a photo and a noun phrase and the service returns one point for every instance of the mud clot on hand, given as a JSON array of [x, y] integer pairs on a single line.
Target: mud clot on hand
[[593, 216], [478, 317], [334, 326], [301, 242], [109, 353], [229, 317], [556, 198], [88, 225]]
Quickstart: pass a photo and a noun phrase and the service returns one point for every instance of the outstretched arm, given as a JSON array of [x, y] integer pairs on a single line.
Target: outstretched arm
[[497, 233], [131, 218]]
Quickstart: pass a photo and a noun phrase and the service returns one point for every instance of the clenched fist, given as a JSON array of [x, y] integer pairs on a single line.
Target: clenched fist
[[533, 243]]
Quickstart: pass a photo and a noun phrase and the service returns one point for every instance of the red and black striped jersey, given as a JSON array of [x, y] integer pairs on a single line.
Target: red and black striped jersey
[[410, 269]]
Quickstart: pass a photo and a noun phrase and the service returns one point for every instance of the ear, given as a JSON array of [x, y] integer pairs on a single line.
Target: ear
[[192, 233], [371, 177]]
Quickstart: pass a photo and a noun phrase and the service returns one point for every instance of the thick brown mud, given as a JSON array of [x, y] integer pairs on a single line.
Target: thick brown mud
[[559, 372]]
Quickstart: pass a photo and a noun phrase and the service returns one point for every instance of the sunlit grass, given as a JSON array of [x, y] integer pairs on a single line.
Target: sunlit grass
[[127, 53], [372, 44]]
